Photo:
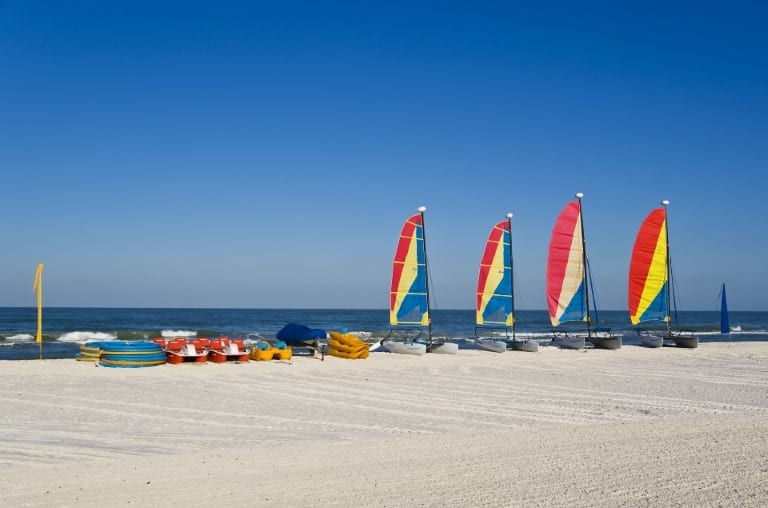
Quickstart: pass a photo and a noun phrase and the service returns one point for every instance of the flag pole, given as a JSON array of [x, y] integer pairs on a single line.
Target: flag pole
[[38, 287]]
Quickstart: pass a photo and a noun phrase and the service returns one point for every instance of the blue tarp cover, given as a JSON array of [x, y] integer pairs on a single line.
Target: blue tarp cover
[[298, 334]]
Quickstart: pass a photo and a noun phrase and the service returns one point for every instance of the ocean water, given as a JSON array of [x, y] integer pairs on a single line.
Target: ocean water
[[65, 329]]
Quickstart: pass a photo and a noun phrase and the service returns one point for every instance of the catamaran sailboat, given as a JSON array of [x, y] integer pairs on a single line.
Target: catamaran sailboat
[[495, 301], [651, 290], [409, 304], [568, 282]]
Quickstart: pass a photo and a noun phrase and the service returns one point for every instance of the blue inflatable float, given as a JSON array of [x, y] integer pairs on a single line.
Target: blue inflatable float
[[131, 354]]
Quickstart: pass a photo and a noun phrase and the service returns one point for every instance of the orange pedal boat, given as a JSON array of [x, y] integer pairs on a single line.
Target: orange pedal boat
[[180, 350], [225, 350]]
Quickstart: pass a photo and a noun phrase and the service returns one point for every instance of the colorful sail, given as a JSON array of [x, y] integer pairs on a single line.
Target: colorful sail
[[725, 326], [494, 303], [566, 270], [37, 287], [648, 271], [408, 297]]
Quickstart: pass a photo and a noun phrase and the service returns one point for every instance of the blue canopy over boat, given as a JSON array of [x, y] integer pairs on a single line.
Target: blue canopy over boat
[[295, 334]]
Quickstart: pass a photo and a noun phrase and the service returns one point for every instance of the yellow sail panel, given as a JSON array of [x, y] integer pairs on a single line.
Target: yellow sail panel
[[656, 282], [37, 287]]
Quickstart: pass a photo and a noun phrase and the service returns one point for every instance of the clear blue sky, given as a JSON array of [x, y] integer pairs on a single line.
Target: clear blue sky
[[265, 154]]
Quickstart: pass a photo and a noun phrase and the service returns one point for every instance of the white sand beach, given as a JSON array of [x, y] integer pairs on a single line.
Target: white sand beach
[[633, 427]]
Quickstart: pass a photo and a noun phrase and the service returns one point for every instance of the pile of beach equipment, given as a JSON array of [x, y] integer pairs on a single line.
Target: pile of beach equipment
[[301, 336], [345, 345], [122, 353], [340, 344], [180, 350], [175, 350]]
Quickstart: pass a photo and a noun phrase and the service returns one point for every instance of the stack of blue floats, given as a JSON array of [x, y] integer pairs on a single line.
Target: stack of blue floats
[[127, 354]]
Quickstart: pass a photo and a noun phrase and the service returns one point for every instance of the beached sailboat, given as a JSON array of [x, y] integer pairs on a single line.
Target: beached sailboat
[[651, 289], [409, 305], [568, 282], [495, 300]]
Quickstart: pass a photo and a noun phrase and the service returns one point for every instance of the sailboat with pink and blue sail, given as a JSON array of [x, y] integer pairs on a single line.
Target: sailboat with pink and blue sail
[[409, 302], [495, 299], [568, 283], [651, 290]]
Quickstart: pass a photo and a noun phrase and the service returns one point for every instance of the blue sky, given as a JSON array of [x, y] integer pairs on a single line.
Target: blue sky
[[265, 154]]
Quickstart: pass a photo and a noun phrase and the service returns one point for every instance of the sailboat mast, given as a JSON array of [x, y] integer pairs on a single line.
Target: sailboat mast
[[584, 279], [421, 211], [665, 204], [38, 287], [511, 274]]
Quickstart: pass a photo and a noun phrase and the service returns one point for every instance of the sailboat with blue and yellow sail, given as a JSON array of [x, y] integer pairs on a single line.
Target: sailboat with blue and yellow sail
[[568, 282], [495, 299], [409, 305], [651, 290]]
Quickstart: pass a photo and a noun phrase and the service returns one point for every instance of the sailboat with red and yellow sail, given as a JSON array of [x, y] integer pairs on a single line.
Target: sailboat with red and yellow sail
[[651, 290]]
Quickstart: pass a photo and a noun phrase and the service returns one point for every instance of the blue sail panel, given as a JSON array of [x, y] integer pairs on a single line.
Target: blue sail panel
[[576, 308], [725, 326], [658, 308]]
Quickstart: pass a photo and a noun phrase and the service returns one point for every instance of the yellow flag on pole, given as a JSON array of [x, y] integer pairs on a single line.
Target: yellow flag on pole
[[37, 287]]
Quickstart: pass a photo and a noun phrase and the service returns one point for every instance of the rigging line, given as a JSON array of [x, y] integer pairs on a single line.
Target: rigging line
[[719, 301], [511, 258], [592, 290], [674, 301], [515, 290], [432, 294]]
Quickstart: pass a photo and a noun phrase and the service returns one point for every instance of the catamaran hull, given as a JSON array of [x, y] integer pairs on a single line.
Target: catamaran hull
[[495, 346], [444, 348], [612, 342], [529, 346], [685, 341], [499, 346], [405, 348], [570, 342], [682, 341], [651, 340]]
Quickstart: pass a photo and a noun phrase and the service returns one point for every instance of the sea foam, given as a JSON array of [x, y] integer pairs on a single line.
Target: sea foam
[[19, 337], [83, 337], [177, 333]]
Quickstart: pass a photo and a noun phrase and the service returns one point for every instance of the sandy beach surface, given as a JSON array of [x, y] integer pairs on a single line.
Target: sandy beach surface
[[633, 427]]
